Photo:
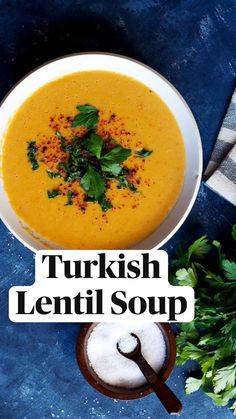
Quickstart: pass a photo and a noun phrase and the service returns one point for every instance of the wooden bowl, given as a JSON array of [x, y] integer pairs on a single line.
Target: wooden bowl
[[122, 392]]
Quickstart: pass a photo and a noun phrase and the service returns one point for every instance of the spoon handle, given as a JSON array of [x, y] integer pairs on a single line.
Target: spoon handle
[[163, 392]]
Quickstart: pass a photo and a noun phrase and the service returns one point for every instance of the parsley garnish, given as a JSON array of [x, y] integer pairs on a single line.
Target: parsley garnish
[[69, 198], [110, 162], [89, 160], [124, 183], [93, 144], [93, 183], [104, 203], [117, 155], [143, 153], [64, 146], [53, 175], [210, 339], [87, 117], [53, 193], [32, 149]]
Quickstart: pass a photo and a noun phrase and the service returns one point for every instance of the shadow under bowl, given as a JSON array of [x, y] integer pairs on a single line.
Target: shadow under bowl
[[123, 393]]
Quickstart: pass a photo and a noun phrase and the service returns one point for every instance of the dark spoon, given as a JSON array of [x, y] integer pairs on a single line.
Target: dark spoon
[[166, 396]]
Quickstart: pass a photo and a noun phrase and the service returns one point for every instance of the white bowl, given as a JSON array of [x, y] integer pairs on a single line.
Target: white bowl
[[123, 65]]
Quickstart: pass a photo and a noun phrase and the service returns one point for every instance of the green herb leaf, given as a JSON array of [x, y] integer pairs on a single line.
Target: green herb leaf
[[225, 377], [233, 407], [73, 175], [89, 199], [104, 203], [229, 269], [234, 231], [53, 193], [192, 384], [143, 153], [93, 144], [117, 155], [86, 108], [199, 248], [32, 149], [93, 183], [53, 175], [124, 183], [69, 198], [194, 353], [76, 162], [110, 162], [229, 394], [229, 329], [217, 399], [186, 277], [113, 168], [208, 364], [87, 117], [181, 259], [64, 145], [217, 244], [190, 330]]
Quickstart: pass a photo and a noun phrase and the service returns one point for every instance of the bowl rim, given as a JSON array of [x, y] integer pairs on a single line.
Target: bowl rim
[[196, 187], [122, 393]]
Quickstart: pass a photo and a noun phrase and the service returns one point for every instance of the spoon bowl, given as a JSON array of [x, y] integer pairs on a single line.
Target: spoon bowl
[[134, 352]]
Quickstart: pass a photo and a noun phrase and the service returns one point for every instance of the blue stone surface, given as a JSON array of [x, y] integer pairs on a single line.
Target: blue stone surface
[[190, 42]]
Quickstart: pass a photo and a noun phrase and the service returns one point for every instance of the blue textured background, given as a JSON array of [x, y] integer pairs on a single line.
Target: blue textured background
[[192, 43]]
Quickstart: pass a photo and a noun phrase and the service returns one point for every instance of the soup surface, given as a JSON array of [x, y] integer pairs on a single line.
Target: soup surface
[[109, 195]]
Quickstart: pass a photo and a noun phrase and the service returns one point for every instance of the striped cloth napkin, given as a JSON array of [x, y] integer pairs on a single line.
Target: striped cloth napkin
[[220, 174]]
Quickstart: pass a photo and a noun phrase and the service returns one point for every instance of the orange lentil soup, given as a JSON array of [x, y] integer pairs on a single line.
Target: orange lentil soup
[[98, 203]]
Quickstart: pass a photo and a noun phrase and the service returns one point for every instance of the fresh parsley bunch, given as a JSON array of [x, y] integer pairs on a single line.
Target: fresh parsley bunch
[[210, 339]]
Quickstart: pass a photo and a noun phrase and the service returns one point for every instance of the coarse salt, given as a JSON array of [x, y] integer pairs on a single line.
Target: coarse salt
[[127, 344], [111, 366]]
